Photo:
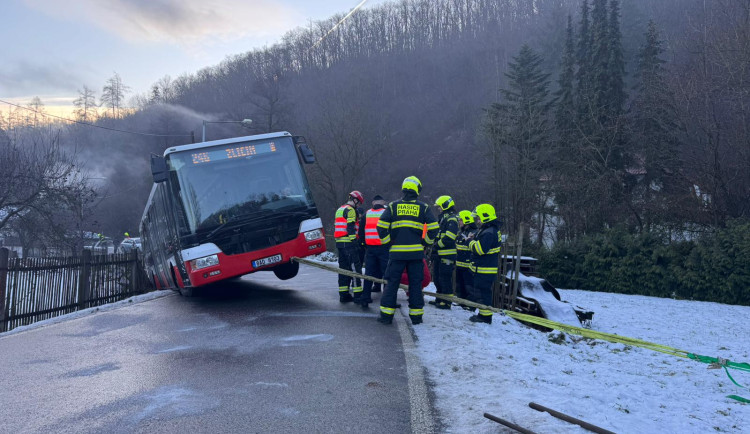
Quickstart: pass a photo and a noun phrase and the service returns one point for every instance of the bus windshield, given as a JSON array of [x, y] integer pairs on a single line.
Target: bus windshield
[[240, 181]]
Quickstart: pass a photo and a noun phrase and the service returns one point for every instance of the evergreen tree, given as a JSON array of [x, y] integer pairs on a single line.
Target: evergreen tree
[[565, 113], [616, 62], [520, 125], [600, 80], [584, 63], [654, 132]]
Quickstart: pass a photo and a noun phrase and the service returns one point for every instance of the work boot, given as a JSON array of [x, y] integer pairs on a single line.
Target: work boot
[[487, 319], [385, 318], [416, 319], [364, 303], [469, 308], [432, 302], [345, 297], [443, 305], [357, 299]]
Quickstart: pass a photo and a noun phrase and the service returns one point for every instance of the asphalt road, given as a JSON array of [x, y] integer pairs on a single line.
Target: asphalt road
[[255, 355]]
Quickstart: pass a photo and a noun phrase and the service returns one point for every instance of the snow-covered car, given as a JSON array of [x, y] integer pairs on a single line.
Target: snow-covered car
[[129, 244]]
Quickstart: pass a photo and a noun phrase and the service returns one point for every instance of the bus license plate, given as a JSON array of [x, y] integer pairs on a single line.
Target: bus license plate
[[266, 261]]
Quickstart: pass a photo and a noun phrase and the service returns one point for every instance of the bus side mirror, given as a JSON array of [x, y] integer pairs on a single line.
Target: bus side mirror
[[159, 168], [307, 154]]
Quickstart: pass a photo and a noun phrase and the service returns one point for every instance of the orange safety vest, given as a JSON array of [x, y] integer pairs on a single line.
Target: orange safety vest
[[341, 223], [372, 217]]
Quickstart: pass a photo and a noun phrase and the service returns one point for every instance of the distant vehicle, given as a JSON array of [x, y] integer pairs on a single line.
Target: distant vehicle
[[226, 208], [129, 244], [103, 246]]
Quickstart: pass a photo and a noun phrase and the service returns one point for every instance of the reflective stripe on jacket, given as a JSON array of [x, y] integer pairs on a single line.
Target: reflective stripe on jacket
[[445, 243], [485, 249], [345, 224], [372, 217], [402, 225], [463, 257]]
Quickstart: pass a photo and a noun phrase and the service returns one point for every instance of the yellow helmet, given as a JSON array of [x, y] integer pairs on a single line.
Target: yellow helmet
[[466, 216], [412, 183], [486, 212], [444, 202]]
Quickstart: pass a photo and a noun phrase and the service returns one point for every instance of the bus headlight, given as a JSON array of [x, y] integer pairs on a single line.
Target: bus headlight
[[206, 261], [313, 235]]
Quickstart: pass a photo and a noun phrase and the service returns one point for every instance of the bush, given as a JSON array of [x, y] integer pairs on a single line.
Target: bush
[[715, 268]]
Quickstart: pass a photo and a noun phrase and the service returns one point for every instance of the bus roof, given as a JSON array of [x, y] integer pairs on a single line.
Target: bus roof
[[226, 142]]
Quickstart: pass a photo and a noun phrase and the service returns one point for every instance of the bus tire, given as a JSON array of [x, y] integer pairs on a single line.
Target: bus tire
[[186, 292], [286, 271]]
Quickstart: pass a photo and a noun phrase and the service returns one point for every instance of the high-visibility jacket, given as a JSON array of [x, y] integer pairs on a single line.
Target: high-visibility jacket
[[402, 223], [345, 224], [445, 242], [371, 219], [465, 235], [485, 248]]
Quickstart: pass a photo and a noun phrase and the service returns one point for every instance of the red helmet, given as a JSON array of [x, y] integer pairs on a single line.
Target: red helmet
[[356, 195]]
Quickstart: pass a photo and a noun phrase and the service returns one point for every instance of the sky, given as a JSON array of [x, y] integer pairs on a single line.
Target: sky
[[52, 48]]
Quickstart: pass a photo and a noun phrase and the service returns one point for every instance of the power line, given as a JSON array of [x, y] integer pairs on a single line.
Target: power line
[[339, 23], [93, 125]]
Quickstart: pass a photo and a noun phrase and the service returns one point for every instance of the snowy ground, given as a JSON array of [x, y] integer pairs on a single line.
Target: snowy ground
[[500, 368]]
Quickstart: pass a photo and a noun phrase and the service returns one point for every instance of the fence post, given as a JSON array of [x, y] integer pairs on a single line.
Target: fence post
[[135, 284], [3, 279], [84, 279]]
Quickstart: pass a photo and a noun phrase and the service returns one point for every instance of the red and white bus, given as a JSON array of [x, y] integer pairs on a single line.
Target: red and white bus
[[226, 208]]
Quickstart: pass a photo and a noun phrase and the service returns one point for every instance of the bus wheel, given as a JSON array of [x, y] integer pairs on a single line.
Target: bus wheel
[[286, 271], [187, 291]]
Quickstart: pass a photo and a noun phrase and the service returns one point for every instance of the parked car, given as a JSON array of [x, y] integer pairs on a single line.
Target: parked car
[[129, 244], [103, 246]]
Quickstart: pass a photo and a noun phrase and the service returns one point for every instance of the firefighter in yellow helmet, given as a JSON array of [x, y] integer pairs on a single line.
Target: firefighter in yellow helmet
[[464, 274], [401, 225], [444, 250], [485, 249]]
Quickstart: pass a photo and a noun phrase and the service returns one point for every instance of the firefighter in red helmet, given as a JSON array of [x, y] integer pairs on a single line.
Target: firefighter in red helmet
[[345, 233]]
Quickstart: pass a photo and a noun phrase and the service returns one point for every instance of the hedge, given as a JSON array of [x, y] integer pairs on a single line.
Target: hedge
[[715, 267]]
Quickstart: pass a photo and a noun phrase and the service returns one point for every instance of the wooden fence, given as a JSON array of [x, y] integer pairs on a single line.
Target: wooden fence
[[35, 289]]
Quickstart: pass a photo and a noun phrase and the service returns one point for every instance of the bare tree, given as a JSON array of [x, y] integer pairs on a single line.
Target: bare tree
[[85, 105], [113, 94]]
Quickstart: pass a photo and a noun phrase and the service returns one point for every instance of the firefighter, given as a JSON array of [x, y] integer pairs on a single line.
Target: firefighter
[[345, 233], [444, 249], [376, 252], [401, 225], [485, 248], [464, 275]]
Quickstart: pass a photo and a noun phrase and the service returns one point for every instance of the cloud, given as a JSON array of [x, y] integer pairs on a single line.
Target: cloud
[[187, 23], [22, 78]]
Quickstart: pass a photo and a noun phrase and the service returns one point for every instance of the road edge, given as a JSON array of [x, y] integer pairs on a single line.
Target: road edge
[[422, 416]]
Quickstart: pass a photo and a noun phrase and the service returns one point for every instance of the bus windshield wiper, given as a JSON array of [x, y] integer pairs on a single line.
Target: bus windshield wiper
[[245, 218]]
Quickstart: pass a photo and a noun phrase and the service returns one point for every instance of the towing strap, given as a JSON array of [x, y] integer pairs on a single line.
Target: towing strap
[[714, 363]]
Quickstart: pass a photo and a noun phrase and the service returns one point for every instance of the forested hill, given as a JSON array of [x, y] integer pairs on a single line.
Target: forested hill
[[404, 88]]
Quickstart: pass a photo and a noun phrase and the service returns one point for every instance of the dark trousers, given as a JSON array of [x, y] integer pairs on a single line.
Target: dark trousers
[[349, 260], [376, 261], [414, 268], [465, 283], [444, 274], [483, 288]]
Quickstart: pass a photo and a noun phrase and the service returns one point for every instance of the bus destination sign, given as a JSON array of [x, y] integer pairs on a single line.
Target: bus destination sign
[[233, 152]]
